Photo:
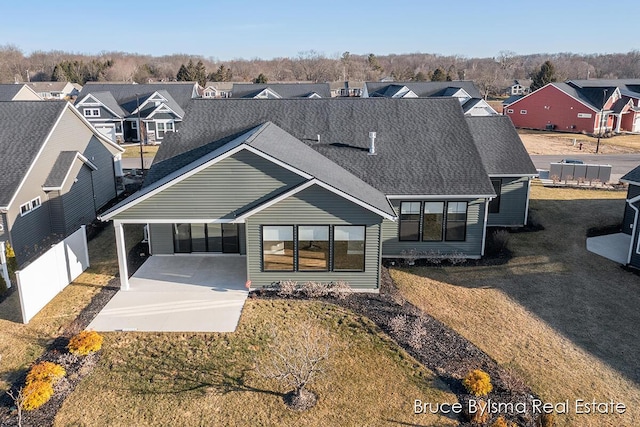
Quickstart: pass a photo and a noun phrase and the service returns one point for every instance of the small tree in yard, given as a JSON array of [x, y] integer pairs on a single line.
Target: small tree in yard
[[297, 359]]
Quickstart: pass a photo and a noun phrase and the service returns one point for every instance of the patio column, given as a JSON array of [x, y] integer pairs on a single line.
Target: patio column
[[122, 256]]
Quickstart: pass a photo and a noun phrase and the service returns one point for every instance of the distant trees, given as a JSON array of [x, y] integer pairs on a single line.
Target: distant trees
[[222, 74], [544, 76], [80, 71], [192, 73], [260, 79]]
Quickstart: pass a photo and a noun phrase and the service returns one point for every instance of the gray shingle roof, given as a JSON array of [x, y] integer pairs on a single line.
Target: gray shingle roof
[[632, 176], [8, 91], [181, 93], [285, 90], [424, 89], [110, 102], [24, 125], [500, 146], [275, 142], [424, 145], [60, 168]]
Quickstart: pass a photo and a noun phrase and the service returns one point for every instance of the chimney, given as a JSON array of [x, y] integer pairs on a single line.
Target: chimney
[[372, 144]]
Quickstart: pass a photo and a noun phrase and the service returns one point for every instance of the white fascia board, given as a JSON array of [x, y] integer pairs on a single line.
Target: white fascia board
[[439, 197], [97, 103], [163, 105], [513, 175], [634, 200], [97, 134], [139, 107], [627, 181], [175, 221]]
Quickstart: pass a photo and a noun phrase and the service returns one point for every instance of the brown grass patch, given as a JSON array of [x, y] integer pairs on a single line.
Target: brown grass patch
[[563, 318], [209, 379], [132, 151]]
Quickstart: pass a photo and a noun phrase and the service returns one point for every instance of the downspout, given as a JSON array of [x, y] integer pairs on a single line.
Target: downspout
[[635, 228], [526, 208], [484, 228]]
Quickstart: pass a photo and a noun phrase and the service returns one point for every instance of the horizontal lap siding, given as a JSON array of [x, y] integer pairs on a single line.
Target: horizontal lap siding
[[315, 206], [472, 246], [635, 256], [77, 203], [513, 203], [161, 237], [104, 184], [219, 191], [31, 232], [629, 213]]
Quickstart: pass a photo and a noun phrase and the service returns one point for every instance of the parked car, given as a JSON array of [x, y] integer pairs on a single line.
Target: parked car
[[572, 161]]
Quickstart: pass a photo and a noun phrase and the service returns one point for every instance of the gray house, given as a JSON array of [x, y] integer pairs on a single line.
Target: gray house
[[509, 167], [57, 172], [465, 91], [280, 90], [127, 112], [315, 190], [631, 213]]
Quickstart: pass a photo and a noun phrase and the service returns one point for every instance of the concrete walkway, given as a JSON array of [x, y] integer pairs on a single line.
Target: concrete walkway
[[612, 246], [179, 293]]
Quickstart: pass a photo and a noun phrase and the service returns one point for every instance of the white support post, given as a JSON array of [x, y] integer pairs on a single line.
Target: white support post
[[3, 263], [122, 256]]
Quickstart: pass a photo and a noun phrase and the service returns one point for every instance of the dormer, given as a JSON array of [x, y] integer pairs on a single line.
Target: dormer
[[267, 93]]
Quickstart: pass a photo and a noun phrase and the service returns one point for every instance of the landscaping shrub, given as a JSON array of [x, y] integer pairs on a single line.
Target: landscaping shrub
[[12, 264], [45, 371], [418, 334], [36, 394], [456, 258], [339, 289], [478, 383], [85, 342], [286, 288], [3, 285], [398, 324], [479, 416], [500, 240], [433, 257], [314, 290]]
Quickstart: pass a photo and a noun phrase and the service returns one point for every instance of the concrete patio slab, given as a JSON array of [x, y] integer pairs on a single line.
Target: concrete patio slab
[[179, 293], [612, 246]]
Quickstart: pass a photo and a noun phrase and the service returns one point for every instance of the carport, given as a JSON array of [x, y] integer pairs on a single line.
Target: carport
[[179, 293]]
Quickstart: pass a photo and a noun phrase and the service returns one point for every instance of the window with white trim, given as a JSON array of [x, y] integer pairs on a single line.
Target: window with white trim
[[30, 206], [134, 125], [509, 111], [92, 112], [523, 111]]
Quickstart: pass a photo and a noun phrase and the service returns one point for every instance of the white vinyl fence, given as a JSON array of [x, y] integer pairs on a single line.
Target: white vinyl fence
[[45, 277]]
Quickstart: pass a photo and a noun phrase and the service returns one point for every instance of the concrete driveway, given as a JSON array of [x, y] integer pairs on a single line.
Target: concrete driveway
[[179, 293]]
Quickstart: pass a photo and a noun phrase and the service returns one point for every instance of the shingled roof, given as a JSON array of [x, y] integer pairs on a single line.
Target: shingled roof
[[424, 146], [25, 127], [424, 89], [181, 93], [632, 177], [9, 91], [284, 90], [500, 146]]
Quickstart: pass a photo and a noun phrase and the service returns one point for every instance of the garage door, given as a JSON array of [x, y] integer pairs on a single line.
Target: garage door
[[107, 130]]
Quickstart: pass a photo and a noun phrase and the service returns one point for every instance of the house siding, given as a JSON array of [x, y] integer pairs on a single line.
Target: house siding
[[513, 203], [104, 181], [31, 232], [635, 256], [629, 213], [105, 115], [77, 202], [315, 206], [471, 247], [222, 190], [56, 213]]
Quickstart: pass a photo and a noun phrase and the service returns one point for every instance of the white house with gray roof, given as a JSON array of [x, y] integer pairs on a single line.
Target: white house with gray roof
[[18, 92], [321, 189], [57, 173]]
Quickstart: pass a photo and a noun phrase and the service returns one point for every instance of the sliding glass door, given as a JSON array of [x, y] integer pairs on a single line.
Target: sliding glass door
[[216, 238]]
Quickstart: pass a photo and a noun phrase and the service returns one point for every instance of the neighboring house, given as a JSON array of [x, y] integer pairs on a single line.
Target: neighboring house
[[56, 90], [520, 87], [580, 106], [216, 90], [631, 220], [128, 112], [57, 173], [17, 92], [509, 167], [346, 89], [464, 91], [281, 90], [317, 190]]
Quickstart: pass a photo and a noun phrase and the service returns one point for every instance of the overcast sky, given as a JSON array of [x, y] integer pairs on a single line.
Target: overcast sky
[[230, 29]]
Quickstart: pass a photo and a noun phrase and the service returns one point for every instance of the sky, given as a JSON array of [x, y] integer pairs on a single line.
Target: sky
[[237, 29]]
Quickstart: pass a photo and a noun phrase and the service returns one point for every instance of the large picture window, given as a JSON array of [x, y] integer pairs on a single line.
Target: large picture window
[[348, 247], [277, 248], [313, 248], [410, 221], [456, 221], [432, 221]]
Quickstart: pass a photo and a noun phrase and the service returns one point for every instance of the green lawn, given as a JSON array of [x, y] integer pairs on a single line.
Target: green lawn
[[565, 319], [209, 379]]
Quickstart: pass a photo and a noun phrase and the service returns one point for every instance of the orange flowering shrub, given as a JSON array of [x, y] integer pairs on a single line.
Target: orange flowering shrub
[[35, 394], [478, 383], [85, 342], [45, 371]]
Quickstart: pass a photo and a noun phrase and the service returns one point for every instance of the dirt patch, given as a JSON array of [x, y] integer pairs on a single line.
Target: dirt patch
[[540, 143]]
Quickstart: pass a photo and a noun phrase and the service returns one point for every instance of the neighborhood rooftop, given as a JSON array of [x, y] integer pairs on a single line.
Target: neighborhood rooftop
[[126, 92]]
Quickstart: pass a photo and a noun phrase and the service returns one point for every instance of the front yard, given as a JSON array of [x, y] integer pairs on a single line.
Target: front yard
[[565, 319]]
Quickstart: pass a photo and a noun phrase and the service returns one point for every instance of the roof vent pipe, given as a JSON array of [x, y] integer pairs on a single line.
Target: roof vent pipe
[[372, 144], [318, 139]]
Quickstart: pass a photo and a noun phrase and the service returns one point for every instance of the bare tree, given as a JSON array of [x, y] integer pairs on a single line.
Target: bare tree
[[297, 359]]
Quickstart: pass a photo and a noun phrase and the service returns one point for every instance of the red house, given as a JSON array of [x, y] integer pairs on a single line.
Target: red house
[[589, 106]]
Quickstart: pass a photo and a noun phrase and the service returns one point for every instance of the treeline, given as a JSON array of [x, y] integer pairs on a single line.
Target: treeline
[[491, 75]]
